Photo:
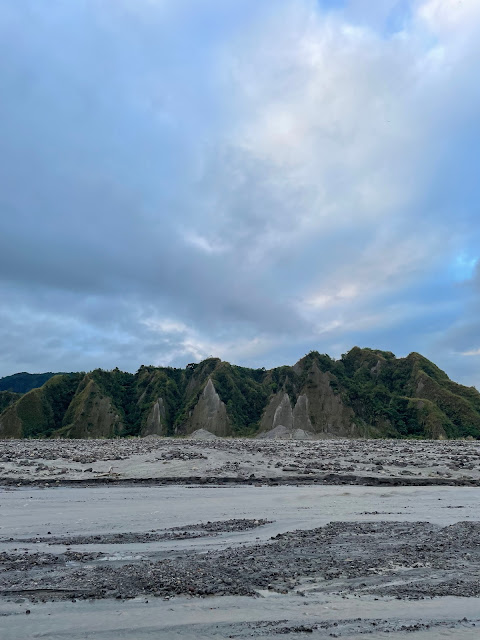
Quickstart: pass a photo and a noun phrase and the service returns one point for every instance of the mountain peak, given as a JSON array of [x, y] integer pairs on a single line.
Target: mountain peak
[[367, 393]]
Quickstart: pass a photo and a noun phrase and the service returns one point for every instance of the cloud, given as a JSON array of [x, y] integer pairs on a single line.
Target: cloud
[[447, 17], [473, 352], [248, 180]]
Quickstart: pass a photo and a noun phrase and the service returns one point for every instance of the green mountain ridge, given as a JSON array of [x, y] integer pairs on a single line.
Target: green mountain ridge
[[366, 393], [23, 382]]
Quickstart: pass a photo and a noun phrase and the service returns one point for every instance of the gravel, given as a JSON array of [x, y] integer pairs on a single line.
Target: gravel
[[399, 559], [239, 461]]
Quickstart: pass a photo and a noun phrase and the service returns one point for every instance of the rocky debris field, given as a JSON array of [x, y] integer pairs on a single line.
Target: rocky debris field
[[408, 462], [260, 560], [239, 561], [352, 627], [405, 560], [201, 530]]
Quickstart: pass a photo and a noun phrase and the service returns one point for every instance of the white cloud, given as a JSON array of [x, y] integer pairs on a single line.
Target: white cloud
[[188, 343], [473, 352], [203, 243], [325, 137], [165, 325], [447, 17], [292, 174], [341, 127], [344, 293]]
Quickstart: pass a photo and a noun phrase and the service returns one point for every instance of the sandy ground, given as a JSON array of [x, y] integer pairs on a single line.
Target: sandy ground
[[241, 460], [242, 559], [199, 562]]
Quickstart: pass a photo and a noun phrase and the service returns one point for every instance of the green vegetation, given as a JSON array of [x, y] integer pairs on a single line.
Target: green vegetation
[[150, 384], [24, 382], [245, 393], [381, 389], [382, 394], [39, 412], [7, 398]]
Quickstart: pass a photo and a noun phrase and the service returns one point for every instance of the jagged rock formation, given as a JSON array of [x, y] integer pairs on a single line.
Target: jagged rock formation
[[91, 414], [328, 411], [316, 410], [210, 413], [278, 412], [156, 423], [366, 393]]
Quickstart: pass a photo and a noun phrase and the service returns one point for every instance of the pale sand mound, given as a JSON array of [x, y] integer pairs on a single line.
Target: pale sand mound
[[283, 433], [202, 434]]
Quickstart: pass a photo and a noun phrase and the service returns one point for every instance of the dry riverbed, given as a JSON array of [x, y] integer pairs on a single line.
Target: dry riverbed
[[90, 551], [239, 461]]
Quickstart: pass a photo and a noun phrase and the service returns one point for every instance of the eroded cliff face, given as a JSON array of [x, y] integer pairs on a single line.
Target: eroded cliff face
[[156, 423], [365, 393], [278, 412], [317, 409], [285, 421], [210, 413], [301, 414], [91, 415], [328, 414]]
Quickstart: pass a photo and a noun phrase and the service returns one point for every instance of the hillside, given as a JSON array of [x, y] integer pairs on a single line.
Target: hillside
[[23, 382], [366, 393], [7, 398]]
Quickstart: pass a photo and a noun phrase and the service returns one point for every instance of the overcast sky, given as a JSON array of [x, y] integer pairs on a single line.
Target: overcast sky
[[249, 179]]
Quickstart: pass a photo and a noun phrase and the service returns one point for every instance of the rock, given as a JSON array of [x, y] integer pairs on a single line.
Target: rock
[[210, 413], [156, 423]]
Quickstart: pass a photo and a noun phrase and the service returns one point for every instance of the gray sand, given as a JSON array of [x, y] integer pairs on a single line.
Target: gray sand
[[241, 561], [407, 462]]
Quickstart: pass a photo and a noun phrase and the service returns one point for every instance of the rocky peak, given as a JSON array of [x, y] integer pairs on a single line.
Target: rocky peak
[[210, 413], [156, 423]]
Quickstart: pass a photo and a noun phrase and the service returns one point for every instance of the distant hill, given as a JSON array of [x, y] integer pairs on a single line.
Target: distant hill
[[366, 393], [23, 382], [7, 398]]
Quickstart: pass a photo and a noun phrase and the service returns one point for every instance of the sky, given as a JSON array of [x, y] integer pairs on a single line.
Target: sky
[[247, 179]]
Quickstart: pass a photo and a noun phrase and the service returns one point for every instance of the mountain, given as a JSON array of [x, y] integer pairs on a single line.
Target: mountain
[[366, 393], [23, 382], [7, 398]]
